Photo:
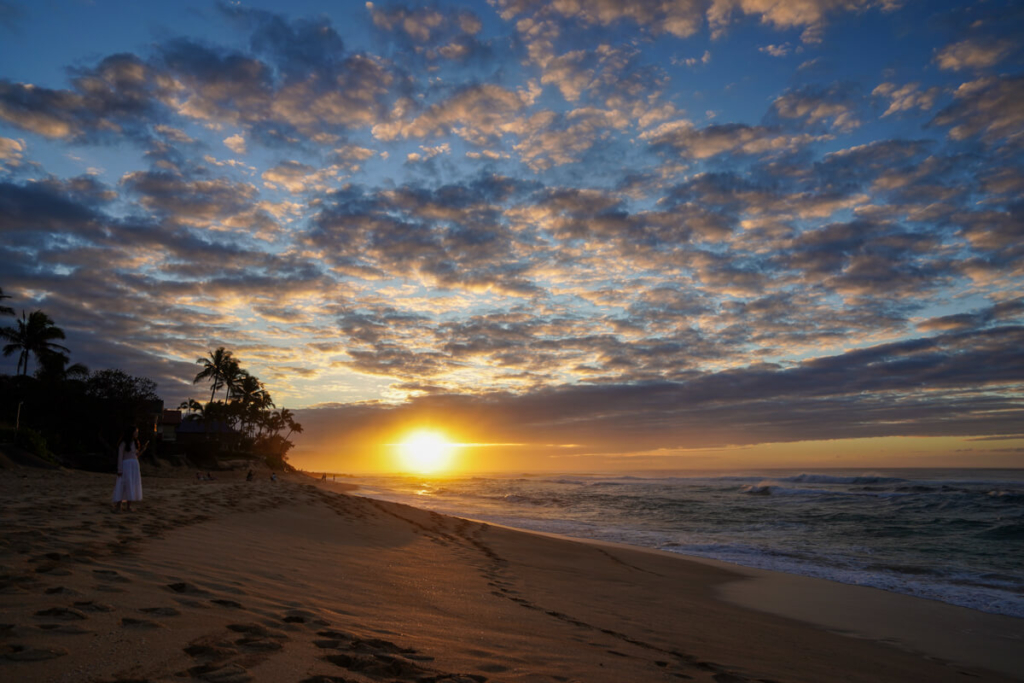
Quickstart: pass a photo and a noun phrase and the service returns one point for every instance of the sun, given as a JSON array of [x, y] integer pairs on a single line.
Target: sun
[[425, 452]]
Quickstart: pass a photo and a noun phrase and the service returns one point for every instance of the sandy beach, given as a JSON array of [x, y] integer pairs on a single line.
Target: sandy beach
[[295, 580]]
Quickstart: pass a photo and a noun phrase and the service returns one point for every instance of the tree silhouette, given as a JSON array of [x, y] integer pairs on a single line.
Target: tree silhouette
[[288, 421], [5, 310], [34, 335], [53, 367], [193, 409], [220, 366]]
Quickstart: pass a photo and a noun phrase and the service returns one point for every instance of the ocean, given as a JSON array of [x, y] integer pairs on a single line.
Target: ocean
[[953, 535]]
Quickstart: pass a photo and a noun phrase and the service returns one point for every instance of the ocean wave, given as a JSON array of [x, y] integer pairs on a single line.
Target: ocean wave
[[832, 479], [1004, 532], [757, 490], [539, 501], [1004, 496], [772, 489], [966, 591]]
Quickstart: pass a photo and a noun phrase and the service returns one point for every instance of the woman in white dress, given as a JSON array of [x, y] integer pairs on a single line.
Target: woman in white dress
[[129, 480]]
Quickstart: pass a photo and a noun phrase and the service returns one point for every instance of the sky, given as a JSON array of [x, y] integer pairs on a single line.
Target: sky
[[579, 234]]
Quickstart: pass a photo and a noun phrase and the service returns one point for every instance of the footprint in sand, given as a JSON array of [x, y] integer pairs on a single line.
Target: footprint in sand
[[61, 613], [227, 603], [110, 575], [256, 631], [210, 652], [161, 611], [64, 629], [92, 606], [229, 673], [186, 588], [131, 622], [377, 658], [22, 653]]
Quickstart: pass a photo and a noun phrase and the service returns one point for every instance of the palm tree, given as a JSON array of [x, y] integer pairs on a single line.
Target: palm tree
[[289, 421], [233, 376], [254, 399], [34, 335], [5, 310], [193, 409], [54, 367], [216, 369]]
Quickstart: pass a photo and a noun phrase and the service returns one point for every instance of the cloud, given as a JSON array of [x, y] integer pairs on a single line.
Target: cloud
[[35, 209], [427, 153], [884, 390], [236, 143], [736, 138], [312, 87], [188, 201], [478, 113], [834, 106], [11, 152], [680, 18], [992, 107], [694, 61], [625, 247], [449, 237], [907, 98], [117, 97], [776, 50], [298, 47], [297, 177], [427, 33], [417, 24], [973, 54], [1002, 312], [548, 140], [810, 15]]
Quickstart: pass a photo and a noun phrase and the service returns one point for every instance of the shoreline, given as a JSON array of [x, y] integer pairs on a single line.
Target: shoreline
[[299, 581], [968, 570], [919, 625]]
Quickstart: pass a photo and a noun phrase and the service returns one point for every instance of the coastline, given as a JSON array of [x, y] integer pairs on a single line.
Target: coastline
[[232, 581], [919, 625]]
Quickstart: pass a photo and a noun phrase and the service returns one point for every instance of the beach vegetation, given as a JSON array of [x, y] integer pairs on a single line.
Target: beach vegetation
[[28, 440], [5, 310], [64, 408], [220, 369], [35, 335], [253, 423]]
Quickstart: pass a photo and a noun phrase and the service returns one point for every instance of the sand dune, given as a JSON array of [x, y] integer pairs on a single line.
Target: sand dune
[[229, 582]]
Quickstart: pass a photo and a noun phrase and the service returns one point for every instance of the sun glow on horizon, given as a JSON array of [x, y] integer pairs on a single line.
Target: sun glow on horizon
[[425, 452]]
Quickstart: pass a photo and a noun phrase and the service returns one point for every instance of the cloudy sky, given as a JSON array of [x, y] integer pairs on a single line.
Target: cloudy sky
[[579, 233]]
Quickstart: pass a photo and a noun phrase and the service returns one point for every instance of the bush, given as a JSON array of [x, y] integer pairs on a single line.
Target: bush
[[29, 440]]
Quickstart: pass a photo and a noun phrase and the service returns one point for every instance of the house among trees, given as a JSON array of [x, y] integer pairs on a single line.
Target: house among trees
[[170, 420], [212, 435]]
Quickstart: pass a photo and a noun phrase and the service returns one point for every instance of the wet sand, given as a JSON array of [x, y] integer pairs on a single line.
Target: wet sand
[[296, 581]]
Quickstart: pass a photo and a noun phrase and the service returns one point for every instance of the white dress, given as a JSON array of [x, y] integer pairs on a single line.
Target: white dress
[[129, 484]]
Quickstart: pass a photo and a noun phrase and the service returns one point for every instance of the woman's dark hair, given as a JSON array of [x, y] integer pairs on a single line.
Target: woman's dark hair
[[128, 438]]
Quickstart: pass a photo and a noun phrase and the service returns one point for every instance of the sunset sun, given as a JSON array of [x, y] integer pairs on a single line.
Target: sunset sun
[[425, 452]]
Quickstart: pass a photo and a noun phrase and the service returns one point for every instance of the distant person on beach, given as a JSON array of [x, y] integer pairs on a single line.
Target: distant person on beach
[[273, 476], [324, 478], [249, 476], [128, 487]]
